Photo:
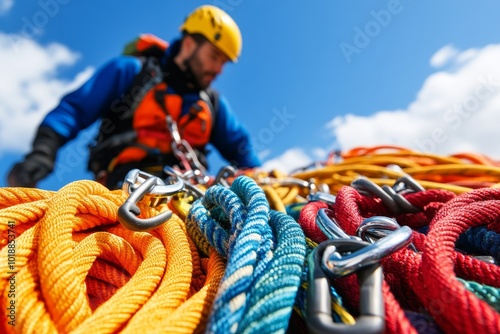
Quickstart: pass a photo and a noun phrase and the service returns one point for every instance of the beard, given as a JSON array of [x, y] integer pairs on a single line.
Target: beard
[[201, 78]]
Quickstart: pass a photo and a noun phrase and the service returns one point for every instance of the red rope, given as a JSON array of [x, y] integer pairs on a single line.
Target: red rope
[[429, 202], [307, 220], [396, 321], [422, 279], [425, 280], [454, 308]]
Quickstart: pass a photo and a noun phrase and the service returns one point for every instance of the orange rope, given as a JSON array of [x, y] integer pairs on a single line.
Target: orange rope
[[458, 173], [80, 271]]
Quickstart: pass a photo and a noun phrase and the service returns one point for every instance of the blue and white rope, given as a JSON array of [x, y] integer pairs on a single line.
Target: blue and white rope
[[265, 251]]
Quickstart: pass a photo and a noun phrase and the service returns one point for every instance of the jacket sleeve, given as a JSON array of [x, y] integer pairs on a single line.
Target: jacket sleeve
[[82, 107], [231, 139]]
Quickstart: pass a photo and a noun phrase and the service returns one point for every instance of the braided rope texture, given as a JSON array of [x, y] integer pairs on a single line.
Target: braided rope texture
[[430, 276], [265, 251], [77, 270]]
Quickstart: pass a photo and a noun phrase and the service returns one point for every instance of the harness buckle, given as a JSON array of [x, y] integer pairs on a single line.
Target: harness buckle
[[372, 313], [146, 187]]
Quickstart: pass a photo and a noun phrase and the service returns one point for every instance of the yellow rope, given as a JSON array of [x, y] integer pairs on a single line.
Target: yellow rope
[[458, 173], [274, 199], [80, 271]]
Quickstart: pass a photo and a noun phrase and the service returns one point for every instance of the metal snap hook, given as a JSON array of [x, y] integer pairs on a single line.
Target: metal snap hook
[[191, 188], [402, 203], [368, 255], [224, 173], [365, 185], [318, 314], [155, 190], [378, 227], [135, 178], [406, 183], [329, 226], [390, 197], [320, 196]]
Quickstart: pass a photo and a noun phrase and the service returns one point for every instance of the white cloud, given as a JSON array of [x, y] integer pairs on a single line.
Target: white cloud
[[319, 153], [443, 55], [5, 6], [264, 154], [30, 87], [454, 111], [290, 160]]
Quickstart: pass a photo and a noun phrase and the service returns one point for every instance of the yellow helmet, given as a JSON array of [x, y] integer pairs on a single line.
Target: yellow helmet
[[217, 27]]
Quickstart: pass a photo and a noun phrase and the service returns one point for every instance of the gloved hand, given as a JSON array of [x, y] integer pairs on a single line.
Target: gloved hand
[[27, 173], [40, 162]]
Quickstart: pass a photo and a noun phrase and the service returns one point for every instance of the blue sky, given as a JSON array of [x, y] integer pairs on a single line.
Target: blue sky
[[313, 76]]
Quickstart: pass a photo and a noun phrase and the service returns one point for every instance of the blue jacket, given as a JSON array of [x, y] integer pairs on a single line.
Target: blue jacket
[[81, 108]]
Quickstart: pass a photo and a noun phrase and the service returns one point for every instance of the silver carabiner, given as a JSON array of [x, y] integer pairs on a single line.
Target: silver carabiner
[[378, 227], [186, 177], [224, 173], [393, 200], [366, 186], [329, 226], [135, 178], [143, 186], [373, 253], [320, 196], [371, 319]]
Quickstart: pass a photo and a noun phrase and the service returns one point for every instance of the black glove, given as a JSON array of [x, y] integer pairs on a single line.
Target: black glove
[[27, 173], [39, 163]]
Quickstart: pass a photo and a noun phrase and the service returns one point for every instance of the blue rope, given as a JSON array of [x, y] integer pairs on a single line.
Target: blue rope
[[265, 253], [294, 209], [480, 240]]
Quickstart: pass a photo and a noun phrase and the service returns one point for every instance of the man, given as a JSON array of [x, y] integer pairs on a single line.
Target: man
[[141, 101]]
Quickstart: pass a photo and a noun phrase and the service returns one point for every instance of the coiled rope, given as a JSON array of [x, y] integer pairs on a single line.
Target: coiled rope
[[458, 173], [425, 283], [396, 321], [265, 253], [79, 271], [479, 207]]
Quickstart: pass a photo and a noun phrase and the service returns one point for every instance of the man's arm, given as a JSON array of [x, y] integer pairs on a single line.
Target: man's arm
[[84, 106], [231, 138], [75, 112]]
